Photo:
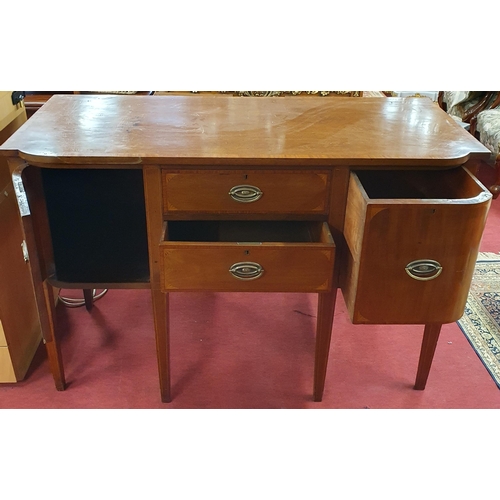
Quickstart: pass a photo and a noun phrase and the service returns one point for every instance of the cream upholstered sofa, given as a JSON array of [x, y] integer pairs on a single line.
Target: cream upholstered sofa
[[460, 104], [478, 112], [488, 129]]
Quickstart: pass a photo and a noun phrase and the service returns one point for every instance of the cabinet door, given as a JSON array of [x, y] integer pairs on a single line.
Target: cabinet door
[[412, 240], [18, 313]]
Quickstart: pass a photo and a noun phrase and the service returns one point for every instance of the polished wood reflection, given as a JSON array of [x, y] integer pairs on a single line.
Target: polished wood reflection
[[231, 130]]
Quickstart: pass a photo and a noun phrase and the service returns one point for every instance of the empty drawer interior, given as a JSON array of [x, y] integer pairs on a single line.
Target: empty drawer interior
[[248, 231], [396, 184]]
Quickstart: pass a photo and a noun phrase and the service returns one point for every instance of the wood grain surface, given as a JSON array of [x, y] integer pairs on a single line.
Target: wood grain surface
[[233, 130]]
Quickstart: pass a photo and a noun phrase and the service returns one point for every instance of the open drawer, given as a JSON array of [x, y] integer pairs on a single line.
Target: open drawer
[[412, 242], [258, 256]]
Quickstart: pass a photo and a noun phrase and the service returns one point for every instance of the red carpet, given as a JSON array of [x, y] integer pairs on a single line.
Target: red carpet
[[250, 351]]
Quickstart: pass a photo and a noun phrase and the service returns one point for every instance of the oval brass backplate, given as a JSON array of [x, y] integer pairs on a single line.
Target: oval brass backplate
[[246, 270], [245, 193], [424, 269]]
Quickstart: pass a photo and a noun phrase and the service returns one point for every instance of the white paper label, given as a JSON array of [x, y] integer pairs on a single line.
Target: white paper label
[[22, 199]]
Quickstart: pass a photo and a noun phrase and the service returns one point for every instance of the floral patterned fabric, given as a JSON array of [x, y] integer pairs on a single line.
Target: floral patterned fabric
[[459, 101], [453, 97], [488, 126]]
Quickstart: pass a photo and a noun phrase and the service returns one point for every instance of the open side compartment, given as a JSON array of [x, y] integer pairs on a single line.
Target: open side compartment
[[93, 214]]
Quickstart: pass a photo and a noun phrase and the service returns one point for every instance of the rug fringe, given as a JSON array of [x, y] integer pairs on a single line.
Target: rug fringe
[[488, 256]]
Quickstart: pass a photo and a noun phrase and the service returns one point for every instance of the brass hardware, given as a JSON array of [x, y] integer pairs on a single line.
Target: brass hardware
[[24, 248], [424, 269], [246, 270], [245, 193]]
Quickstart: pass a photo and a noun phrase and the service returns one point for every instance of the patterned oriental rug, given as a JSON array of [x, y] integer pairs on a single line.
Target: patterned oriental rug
[[481, 320]]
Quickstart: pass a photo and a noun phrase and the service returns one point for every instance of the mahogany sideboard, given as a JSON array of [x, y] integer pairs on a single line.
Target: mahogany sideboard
[[174, 194]]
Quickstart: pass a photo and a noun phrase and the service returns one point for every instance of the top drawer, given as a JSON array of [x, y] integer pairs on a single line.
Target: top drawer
[[244, 191]]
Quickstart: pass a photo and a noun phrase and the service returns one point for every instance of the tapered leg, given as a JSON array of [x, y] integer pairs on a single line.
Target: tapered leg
[[429, 342], [495, 189], [88, 296], [160, 311], [154, 215], [326, 309], [50, 340]]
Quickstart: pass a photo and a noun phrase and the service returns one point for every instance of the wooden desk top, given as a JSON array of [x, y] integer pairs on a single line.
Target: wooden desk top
[[241, 130]]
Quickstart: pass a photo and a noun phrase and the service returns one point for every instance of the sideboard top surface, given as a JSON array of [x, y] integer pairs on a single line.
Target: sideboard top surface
[[232, 130]]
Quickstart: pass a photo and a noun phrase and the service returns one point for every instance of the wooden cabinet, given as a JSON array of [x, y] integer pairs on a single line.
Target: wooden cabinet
[[225, 193], [19, 324]]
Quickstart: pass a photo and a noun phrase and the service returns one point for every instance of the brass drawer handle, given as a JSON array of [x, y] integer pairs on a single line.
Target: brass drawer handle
[[246, 270], [424, 270], [245, 193]]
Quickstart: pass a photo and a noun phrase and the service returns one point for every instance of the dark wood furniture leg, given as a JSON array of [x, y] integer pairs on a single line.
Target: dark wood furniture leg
[[326, 309], [429, 342], [495, 189], [160, 311], [88, 296], [50, 340], [154, 216]]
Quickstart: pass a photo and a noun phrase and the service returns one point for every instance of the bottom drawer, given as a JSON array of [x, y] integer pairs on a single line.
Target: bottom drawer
[[247, 256]]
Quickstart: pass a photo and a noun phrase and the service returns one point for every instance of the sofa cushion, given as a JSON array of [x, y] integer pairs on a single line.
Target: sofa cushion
[[458, 102], [453, 97], [488, 126]]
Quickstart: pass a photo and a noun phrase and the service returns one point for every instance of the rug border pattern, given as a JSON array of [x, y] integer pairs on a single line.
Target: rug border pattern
[[477, 325]]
